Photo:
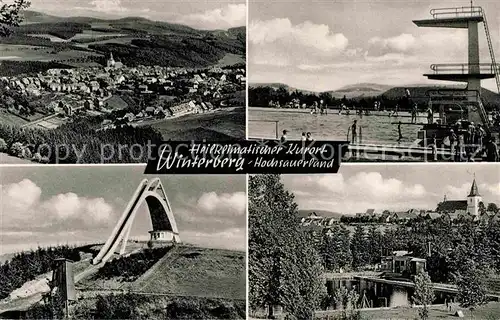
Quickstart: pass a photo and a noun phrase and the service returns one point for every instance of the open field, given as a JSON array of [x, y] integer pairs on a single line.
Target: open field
[[9, 118], [38, 53], [218, 125], [230, 59]]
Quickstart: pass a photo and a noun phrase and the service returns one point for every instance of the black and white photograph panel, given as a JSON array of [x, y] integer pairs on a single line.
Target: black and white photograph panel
[[400, 81], [375, 242], [81, 75], [113, 243]]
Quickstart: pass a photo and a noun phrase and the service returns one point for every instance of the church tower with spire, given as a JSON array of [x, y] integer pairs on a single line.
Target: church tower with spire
[[111, 61], [473, 199]]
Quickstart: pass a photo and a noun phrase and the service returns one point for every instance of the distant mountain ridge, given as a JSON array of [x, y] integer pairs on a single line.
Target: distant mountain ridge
[[277, 85], [361, 90], [132, 40], [31, 16]]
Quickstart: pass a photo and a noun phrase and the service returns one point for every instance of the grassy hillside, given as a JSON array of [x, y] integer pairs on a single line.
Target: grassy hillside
[[360, 90], [420, 93], [181, 271], [197, 272], [277, 86]]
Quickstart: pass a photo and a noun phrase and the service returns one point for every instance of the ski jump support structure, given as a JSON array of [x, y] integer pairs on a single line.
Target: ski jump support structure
[[472, 72], [162, 218]]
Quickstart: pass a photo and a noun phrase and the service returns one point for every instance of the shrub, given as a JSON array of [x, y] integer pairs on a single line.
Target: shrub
[[37, 157], [3, 145], [129, 268], [16, 149], [123, 306], [26, 153]]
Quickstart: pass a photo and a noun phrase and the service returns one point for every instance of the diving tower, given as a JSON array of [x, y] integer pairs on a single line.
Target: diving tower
[[471, 72], [162, 220]]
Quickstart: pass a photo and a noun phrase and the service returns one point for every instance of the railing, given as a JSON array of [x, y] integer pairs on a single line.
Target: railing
[[465, 68], [458, 12]]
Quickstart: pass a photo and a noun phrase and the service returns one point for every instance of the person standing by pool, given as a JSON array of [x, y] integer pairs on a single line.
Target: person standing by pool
[[343, 105], [324, 109], [399, 132], [433, 145], [284, 136], [354, 131], [407, 99], [492, 150], [395, 112], [430, 114], [480, 136], [414, 113], [453, 139]]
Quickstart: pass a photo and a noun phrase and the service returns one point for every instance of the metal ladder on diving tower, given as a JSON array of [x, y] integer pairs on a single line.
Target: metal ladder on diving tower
[[496, 68]]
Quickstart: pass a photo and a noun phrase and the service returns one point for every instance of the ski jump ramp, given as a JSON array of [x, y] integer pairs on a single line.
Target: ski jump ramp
[[162, 218]]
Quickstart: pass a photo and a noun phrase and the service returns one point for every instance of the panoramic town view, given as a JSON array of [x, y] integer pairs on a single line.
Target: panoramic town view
[[93, 247], [376, 242], [400, 82], [119, 74]]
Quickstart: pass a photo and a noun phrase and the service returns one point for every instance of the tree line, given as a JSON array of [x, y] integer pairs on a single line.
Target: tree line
[[449, 245], [261, 96], [66, 143]]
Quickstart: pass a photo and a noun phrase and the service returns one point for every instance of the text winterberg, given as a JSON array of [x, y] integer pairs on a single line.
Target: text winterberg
[[178, 161]]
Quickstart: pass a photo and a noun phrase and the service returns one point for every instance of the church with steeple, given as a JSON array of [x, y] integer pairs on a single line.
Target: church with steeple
[[111, 63], [470, 206], [473, 200]]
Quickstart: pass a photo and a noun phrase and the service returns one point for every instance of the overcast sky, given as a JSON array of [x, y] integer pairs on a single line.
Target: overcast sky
[[200, 14], [325, 44], [357, 188], [46, 205]]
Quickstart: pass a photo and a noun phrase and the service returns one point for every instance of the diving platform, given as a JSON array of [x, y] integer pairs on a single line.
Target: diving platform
[[459, 23], [462, 72], [459, 17], [472, 72]]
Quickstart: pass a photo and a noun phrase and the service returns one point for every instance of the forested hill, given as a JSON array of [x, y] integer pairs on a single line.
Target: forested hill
[[133, 40]]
